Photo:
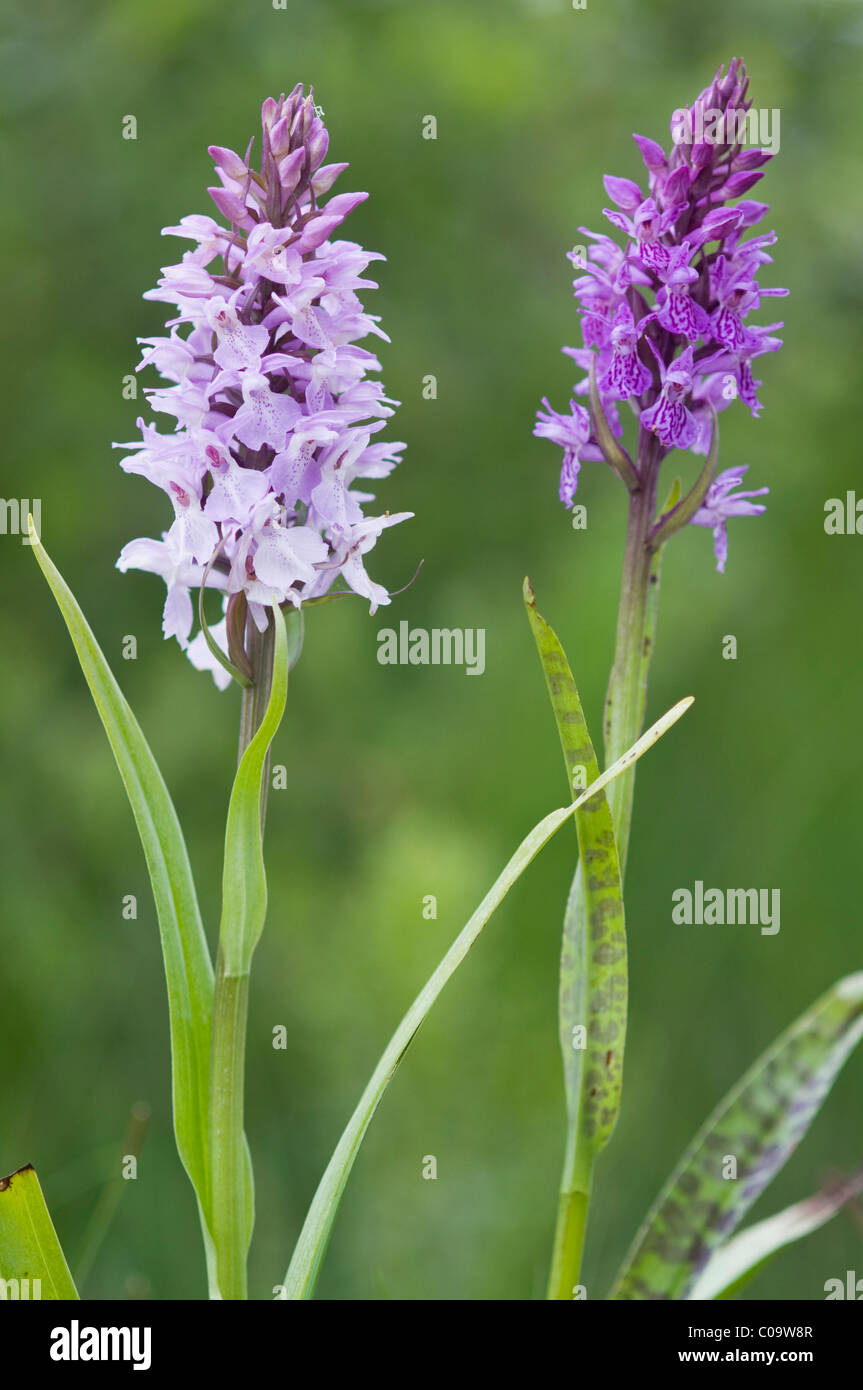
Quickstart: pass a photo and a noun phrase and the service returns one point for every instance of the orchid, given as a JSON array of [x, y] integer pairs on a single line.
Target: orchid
[[664, 317], [666, 329], [276, 411], [276, 406]]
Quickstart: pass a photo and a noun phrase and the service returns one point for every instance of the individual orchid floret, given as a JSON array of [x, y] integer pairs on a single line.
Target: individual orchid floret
[[666, 312], [627, 375], [677, 311], [601, 289], [719, 506], [275, 405], [669, 418], [571, 432]]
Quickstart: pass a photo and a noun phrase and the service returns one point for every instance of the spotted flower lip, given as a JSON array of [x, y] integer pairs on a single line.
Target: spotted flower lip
[[665, 316], [627, 375], [274, 403], [668, 417]]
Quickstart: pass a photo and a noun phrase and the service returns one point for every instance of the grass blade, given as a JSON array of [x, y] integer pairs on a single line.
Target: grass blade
[[112, 1193], [758, 1124], [741, 1258], [188, 967], [32, 1263], [308, 1255]]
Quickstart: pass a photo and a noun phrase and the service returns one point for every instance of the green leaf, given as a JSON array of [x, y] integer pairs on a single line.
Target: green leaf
[[593, 964], [188, 967], [244, 880], [32, 1263], [302, 1275], [740, 1259], [759, 1123]]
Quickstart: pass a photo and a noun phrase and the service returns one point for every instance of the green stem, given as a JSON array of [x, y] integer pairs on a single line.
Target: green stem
[[230, 1168], [624, 717], [571, 1227], [627, 688], [231, 1227]]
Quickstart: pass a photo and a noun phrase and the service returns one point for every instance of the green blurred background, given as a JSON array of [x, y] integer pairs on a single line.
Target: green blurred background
[[410, 781]]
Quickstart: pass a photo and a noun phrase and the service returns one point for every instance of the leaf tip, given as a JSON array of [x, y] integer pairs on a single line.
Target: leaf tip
[[6, 1183], [851, 986]]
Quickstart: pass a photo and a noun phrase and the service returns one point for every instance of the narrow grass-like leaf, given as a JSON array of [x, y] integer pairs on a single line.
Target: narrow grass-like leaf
[[112, 1193], [758, 1124], [594, 999], [188, 967], [244, 880], [303, 1272], [32, 1263], [244, 909], [741, 1258]]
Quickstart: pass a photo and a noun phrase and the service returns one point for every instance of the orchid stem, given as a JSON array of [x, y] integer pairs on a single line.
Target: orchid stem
[[571, 1227], [626, 700], [624, 718], [230, 1173]]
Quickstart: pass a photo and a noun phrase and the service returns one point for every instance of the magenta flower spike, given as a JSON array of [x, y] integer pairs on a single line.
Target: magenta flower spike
[[667, 335], [665, 317], [275, 405]]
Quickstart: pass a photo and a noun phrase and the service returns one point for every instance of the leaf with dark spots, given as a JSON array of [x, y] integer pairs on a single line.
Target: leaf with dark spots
[[782, 1093], [594, 939]]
